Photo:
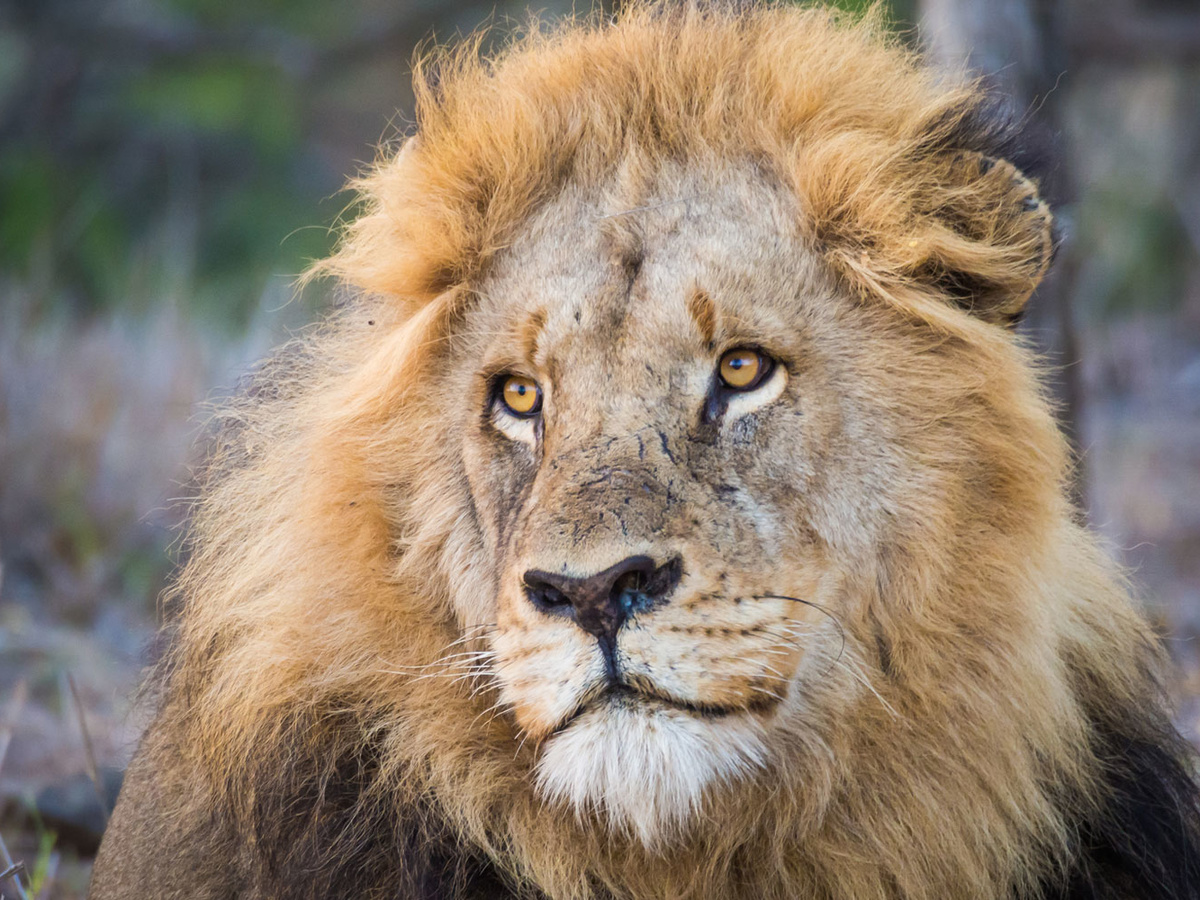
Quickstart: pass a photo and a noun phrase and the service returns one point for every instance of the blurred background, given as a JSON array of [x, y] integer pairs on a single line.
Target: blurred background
[[167, 167]]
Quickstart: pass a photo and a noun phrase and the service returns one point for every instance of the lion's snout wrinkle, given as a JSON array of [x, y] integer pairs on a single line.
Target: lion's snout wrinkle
[[600, 496], [603, 602]]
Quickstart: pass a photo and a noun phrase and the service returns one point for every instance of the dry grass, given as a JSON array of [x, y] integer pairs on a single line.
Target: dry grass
[[97, 424]]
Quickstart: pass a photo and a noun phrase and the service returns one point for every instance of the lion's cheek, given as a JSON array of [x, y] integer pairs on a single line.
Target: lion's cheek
[[543, 673]]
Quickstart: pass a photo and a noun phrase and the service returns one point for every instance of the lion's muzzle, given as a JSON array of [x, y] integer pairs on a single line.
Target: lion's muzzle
[[603, 602]]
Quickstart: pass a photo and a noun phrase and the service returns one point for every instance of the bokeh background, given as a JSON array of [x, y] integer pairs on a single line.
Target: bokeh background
[[168, 166]]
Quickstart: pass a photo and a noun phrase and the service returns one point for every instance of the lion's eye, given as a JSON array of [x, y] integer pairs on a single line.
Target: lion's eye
[[521, 395], [744, 369]]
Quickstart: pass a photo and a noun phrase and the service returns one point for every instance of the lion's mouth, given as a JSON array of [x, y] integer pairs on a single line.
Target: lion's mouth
[[629, 695]]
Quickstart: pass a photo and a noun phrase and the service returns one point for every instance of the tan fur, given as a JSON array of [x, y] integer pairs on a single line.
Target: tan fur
[[353, 544]]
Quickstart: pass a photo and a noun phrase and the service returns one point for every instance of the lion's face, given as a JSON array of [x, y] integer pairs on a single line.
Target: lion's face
[[665, 563]]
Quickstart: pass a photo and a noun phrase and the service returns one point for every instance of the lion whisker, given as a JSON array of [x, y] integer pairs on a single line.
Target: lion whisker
[[521, 745], [471, 636], [787, 635], [757, 667], [481, 687], [862, 680], [819, 608], [491, 712], [446, 665], [774, 695]]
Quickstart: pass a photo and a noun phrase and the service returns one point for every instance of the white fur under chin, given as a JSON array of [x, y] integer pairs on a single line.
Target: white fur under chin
[[646, 767]]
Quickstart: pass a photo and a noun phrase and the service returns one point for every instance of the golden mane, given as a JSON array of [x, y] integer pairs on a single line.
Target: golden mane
[[315, 601], [874, 144]]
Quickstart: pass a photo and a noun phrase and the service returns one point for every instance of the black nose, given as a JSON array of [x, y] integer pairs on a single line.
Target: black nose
[[601, 603]]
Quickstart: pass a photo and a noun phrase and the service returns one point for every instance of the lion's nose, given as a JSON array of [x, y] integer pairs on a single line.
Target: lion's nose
[[601, 603]]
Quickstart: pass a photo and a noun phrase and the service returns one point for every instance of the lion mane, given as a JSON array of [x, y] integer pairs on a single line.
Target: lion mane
[[973, 709]]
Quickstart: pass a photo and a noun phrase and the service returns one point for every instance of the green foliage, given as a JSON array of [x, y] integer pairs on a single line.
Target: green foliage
[[854, 6], [36, 878], [895, 11], [303, 16], [61, 227], [29, 198], [1140, 240], [79, 534], [143, 572], [177, 175], [232, 99], [40, 876]]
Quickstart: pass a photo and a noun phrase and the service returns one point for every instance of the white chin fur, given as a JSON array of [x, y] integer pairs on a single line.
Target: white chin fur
[[645, 767]]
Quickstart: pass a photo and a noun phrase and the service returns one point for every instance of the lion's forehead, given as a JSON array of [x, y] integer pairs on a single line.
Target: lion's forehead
[[608, 271]]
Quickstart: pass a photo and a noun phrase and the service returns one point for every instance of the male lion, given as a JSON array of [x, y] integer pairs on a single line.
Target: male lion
[[673, 513]]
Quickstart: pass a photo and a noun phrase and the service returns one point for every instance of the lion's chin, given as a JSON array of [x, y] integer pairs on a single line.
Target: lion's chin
[[645, 766]]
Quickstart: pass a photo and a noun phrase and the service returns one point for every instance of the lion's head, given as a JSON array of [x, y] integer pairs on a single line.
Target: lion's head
[[672, 503], [687, 451]]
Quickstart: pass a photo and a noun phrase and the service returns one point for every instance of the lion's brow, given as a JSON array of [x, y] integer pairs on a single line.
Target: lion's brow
[[704, 312], [530, 333]]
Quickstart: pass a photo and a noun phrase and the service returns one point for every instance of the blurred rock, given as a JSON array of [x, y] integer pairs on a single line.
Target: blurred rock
[[77, 810]]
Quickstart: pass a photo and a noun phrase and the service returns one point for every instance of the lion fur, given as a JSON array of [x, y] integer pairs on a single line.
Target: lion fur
[[1012, 709]]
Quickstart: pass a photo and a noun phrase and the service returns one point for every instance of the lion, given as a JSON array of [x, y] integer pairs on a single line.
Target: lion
[[669, 511]]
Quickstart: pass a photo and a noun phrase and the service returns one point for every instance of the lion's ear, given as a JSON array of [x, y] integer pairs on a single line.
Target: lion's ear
[[992, 238]]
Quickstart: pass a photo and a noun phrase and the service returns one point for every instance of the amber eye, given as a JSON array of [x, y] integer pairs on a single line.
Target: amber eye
[[744, 369], [521, 395]]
